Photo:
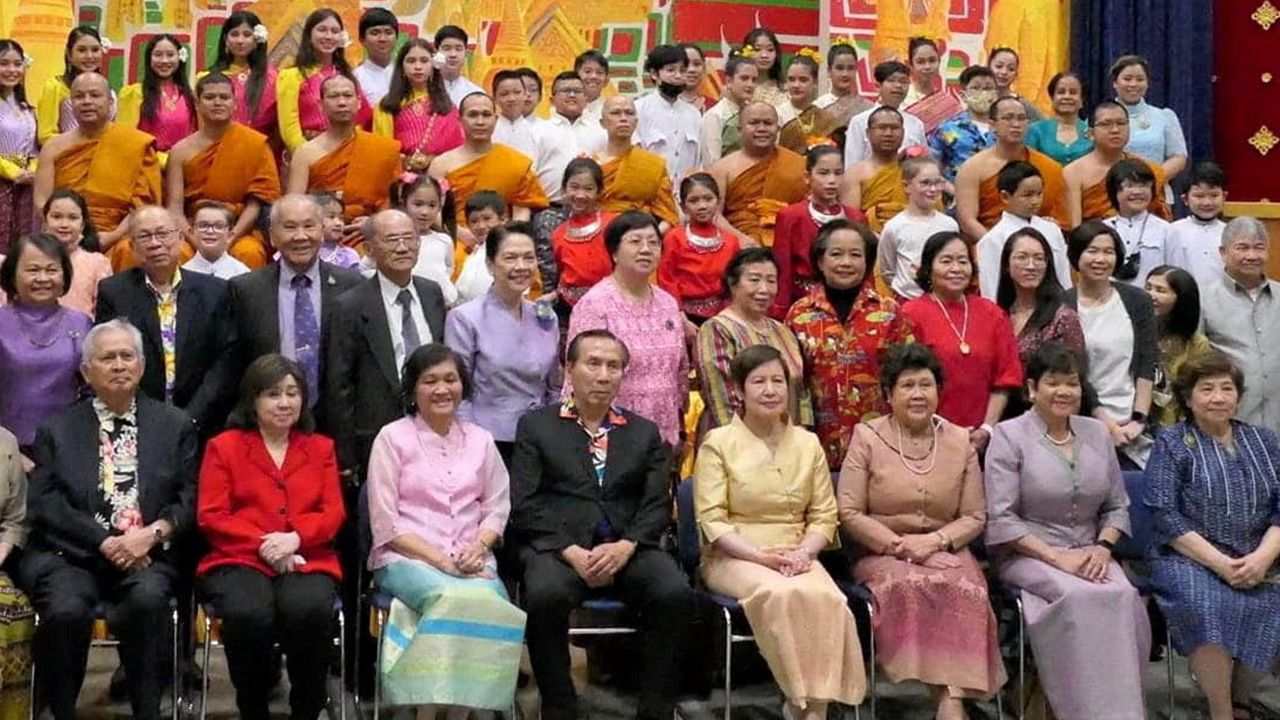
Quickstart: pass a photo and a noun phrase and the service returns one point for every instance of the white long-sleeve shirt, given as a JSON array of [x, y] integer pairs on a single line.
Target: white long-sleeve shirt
[[1146, 235], [991, 247], [669, 129], [549, 146], [1195, 246]]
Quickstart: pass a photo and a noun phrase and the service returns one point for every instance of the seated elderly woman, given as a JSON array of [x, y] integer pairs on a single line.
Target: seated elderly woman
[[765, 509], [1213, 490], [438, 504], [270, 506], [1056, 505], [910, 496], [17, 620]]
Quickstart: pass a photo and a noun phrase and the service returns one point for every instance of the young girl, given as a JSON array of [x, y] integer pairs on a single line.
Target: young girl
[[83, 54], [929, 98], [320, 57], [332, 250], [242, 56], [426, 202], [694, 255], [17, 146], [417, 110], [802, 122], [768, 57], [162, 105], [903, 237], [798, 225], [578, 244], [66, 217]]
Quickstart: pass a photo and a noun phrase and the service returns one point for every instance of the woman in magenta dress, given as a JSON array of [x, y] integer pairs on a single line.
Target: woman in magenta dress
[[417, 110], [17, 146], [242, 56], [162, 105], [320, 57]]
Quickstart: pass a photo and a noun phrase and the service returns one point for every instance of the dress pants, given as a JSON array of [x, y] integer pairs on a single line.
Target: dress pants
[[65, 593], [256, 610], [651, 584]]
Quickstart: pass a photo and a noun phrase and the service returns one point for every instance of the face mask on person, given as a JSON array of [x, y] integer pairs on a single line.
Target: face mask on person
[[670, 90], [979, 101]]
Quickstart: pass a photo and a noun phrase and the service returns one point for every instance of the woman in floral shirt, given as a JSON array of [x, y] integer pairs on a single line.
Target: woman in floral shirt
[[844, 327]]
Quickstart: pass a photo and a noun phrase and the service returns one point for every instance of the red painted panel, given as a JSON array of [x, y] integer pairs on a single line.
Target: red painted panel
[[1244, 58]]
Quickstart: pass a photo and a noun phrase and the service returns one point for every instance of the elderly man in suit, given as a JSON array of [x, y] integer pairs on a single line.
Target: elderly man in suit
[[589, 503], [287, 306], [376, 326], [112, 491], [184, 318]]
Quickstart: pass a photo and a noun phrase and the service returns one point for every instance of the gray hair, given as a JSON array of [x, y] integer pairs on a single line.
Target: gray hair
[[274, 217], [138, 212], [89, 347], [370, 226], [1245, 226]]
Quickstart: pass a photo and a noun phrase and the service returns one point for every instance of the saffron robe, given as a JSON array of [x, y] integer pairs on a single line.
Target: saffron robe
[[235, 168], [1095, 205], [883, 196], [756, 196], [365, 183], [1052, 206], [638, 180]]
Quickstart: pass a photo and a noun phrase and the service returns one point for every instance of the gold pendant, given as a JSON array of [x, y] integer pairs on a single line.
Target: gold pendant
[[964, 348], [418, 161]]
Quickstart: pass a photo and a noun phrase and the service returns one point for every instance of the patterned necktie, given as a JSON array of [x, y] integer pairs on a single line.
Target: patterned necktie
[[408, 329], [306, 335]]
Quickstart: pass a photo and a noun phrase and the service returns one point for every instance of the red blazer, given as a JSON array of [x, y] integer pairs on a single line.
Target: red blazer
[[243, 496]]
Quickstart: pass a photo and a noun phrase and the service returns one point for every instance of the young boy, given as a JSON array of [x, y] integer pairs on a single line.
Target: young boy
[[485, 211], [1194, 241], [893, 79], [720, 132], [1131, 185], [379, 30], [212, 227], [332, 250], [1022, 190]]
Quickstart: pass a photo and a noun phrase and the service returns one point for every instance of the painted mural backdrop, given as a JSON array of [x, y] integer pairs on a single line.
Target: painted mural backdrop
[[547, 34]]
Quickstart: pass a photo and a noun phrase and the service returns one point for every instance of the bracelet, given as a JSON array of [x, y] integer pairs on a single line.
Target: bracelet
[[944, 542], [986, 428]]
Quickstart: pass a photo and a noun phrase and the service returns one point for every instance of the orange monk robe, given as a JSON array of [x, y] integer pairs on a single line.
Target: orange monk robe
[[1095, 205], [362, 169], [883, 196], [756, 196], [115, 173], [1052, 206], [503, 170], [235, 168], [638, 180]]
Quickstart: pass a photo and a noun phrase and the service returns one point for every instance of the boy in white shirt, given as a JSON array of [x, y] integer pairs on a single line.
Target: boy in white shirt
[[1145, 236], [1195, 240], [212, 227], [379, 30], [1021, 189], [485, 210]]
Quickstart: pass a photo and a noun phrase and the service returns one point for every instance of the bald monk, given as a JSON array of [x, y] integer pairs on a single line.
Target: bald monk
[[759, 179], [1086, 178], [346, 159], [114, 168], [226, 162], [634, 178], [874, 185], [978, 202]]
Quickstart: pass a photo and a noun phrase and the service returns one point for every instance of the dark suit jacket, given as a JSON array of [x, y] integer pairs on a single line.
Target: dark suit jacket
[[255, 312], [555, 498], [362, 382], [204, 381], [65, 489]]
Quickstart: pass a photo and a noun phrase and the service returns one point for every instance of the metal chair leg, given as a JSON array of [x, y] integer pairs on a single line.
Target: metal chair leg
[[377, 672], [31, 707], [1168, 654], [342, 669], [728, 662], [176, 692], [871, 630], [204, 671], [1022, 660], [360, 632]]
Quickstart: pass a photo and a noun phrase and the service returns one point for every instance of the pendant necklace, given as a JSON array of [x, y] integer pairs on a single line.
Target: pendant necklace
[[964, 326]]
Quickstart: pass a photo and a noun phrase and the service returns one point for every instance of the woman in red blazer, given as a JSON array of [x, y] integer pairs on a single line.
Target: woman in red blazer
[[270, 506]]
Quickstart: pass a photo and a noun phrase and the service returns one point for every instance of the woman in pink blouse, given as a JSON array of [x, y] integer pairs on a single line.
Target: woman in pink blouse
[[438, 504], [417, 110], [161, 104], [242, 56]]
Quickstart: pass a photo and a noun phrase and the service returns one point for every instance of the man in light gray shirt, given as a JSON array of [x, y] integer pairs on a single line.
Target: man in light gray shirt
[[1242, 319]]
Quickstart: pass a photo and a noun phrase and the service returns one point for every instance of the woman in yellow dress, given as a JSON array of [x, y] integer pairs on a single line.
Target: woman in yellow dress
[[767, 53], [803, 123]]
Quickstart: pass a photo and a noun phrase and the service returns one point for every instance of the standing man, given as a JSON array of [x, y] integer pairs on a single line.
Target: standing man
[[379, 31], [593, 67], [551, 147], [668, 126], [451, 41], [569, 117], [893, 80]]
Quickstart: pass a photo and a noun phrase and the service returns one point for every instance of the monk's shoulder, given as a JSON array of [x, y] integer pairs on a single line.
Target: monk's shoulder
[[310, 150], [58, 144], [982, 164], [862, 170], [187, 148], [445, 164], [1080, 169], [789, 160]]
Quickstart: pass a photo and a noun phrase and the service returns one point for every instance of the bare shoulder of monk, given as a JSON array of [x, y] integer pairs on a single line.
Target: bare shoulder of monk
[[985, 163], [732, 165], [447, 163], [862, 170], [58, 144], [1083, 171], [188, 147]]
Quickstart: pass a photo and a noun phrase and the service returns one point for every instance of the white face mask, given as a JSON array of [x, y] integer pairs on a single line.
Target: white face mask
[[980, 101]]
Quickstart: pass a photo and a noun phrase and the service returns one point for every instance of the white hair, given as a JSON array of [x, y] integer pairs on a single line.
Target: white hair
[[90, 346], [1245, 226]]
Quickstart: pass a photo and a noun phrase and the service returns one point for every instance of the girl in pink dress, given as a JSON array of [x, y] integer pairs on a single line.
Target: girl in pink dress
[[320, 57], [417, 110], [17, 146], [242, 56], [162, 105]]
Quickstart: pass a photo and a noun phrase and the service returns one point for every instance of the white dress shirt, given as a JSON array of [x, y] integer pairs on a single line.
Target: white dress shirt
[[375, 80], [395, 317], [1195, 246], [714, 120], [225, 267], [435, 263], [460, 88], [593, 111], [991, 247], [588, 135], [669, 129], [856, 146], [551, 147], [1146, 235]]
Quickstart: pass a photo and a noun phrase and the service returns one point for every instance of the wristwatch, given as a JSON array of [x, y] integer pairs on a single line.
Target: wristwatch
[[1139, 416], [1110, 546]]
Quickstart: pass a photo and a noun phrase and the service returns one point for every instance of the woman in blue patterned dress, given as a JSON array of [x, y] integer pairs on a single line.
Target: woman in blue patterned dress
[[1213, 490]]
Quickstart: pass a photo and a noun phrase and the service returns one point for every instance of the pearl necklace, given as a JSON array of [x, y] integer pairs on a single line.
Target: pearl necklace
[[933, 450], [1066, 441]]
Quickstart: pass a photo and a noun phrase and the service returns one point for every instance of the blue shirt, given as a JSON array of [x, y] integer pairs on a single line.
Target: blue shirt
[[284, 307], [1154, 133], [1043, 137], [957, 140]]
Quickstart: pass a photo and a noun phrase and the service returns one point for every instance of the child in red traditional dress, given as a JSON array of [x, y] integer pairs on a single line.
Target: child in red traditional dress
[[694, 255], [578, 244]]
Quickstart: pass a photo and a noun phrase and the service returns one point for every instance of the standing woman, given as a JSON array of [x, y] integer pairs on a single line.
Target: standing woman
[[929, 98], [970, 335], [1120, 337], [843, 100], [768, 58], [845, 326], [507, 344], [694, 75], [320, 57], [1065, 136], [695, 254], [66, 217], [417, 110], [1154, 133], [1175, 297], [84, 52], [803, 124], [17, 146], [162, 104], [1003, 62], [242, 56]]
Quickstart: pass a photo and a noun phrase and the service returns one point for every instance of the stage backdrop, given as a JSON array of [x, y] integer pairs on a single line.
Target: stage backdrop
[[547, 34]]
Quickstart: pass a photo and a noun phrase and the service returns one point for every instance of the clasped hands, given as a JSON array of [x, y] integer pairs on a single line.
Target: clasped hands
[[599, 565], [922, 550], [131, 550], [472, 561], [1243, 572], [1090, 563], [280, 551], [786, 561]]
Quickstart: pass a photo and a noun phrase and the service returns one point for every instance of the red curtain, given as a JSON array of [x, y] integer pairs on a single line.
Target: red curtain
[[1247, 96]]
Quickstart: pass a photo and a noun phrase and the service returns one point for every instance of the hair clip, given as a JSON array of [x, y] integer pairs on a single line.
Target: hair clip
[[444, 185], [408, 178], [260, 33], [747, 51], [914, 151], [345, 39], [846, 41], [438, 60], [809, 53], [813, 141], [27, 60], [105, 42], [183, 55]]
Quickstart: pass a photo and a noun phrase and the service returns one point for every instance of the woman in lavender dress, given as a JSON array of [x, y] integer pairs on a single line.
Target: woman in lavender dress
[[17, 146], [39, 339]]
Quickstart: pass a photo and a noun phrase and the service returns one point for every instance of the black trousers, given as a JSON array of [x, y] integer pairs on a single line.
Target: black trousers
[[651, 583], [256, 610], [137, 612]]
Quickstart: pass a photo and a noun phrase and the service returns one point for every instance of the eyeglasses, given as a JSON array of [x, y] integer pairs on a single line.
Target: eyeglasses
[[408, 241], [157, 236], [211, 226], [1108, 124], [570, 91]]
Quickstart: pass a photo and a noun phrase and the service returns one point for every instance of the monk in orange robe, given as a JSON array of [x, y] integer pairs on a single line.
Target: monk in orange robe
[[1086, 178], [634, 178], [875, 185], [226, 162], [760, 179], [1095, 205], [114, 168]]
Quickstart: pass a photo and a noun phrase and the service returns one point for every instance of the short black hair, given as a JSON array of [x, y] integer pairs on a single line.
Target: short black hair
[[1207, 172], [47, 245], [905, 358], [591, 56], [932, 247], [503, 76], [485, 200], [262, 375], [974, 72], [428, 356], [1106, 105], [497, 236], [377, 17], [1013, 173], [885, 109], [1081, 237], [693, 180], [750, 358], [575, 345], [1199, 366], [565, 76], [1057, 79], [580, 165], [889, 68], [747, 256], [1129, 170], [1054, 357], [222, 208], [528, 72], [819, 246], [995, 104], [213, 78], [450, 32], [1183, 319], [625, 223], [663, 55]]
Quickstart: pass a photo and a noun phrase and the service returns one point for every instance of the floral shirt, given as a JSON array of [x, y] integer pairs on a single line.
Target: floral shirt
[[598, 448], [167, 309], [957, 140], [118, 468], [844, 360]]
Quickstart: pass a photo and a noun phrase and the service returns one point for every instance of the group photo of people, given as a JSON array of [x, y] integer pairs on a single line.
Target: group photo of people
[[383, 383]]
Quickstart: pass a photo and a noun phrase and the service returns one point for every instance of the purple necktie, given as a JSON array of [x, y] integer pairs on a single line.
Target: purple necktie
[[306, 335]]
